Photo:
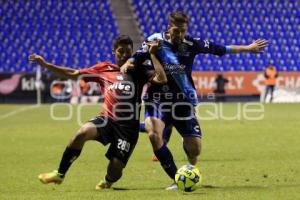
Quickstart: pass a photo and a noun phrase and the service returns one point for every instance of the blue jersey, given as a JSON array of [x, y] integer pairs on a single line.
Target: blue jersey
[[177, 61]]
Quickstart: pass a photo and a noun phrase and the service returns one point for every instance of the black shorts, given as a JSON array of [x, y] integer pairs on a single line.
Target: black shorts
[[122, 138]]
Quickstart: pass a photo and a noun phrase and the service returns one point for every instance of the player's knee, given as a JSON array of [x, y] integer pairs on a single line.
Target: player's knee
[[192, 146], [196, 152], [154, 136], [155, 140], [85, 129], [193, 151], [82, 134]]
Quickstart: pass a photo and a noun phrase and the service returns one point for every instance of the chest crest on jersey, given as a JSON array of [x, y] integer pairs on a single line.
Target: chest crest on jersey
[[183, 50], [165, 88]]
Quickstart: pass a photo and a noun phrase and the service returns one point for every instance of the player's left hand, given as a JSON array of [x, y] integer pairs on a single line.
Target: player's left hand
[[37, 59], [258, 46], [153, 47], [129, 64]]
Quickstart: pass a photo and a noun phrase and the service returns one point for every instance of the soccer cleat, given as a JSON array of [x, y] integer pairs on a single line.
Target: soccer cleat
[[51, 177], [154, 158], [103, 185], [173, 186]]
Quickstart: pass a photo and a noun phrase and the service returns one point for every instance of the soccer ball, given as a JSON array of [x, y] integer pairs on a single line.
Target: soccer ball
[[188, 178]]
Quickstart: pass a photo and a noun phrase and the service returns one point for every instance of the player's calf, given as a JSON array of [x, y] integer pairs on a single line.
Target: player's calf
[[192, 148], [114, 173], [155, 129], [87, 132], [155, 139]]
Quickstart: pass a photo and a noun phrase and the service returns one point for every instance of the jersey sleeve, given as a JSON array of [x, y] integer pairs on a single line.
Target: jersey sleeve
[[142, 53], [90, 74], [140, 56], [144, 73], [208, 47]]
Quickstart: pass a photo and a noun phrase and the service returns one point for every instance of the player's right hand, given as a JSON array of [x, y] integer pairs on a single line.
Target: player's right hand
[[37, 59], [129, 65], [153, 47], [258, 46]]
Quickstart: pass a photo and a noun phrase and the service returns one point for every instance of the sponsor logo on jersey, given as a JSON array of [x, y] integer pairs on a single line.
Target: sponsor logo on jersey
[[183, 50], [165, 88], [174, 68], [120, 86], [120, 78]]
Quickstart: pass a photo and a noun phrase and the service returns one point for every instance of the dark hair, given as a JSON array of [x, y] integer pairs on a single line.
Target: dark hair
[[178, 17], [123, 39]]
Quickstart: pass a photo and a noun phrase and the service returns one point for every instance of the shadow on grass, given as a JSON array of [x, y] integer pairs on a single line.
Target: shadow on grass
[[235, 187], [205, 188], [285, 186], [215, 160], [140, 189], [223, 160], [248, 187], [209, 187]]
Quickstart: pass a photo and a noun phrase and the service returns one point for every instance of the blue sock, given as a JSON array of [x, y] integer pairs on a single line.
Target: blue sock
[[166, 160], [142, 127]]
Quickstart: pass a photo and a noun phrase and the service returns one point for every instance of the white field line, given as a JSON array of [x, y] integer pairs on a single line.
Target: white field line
[[14, 112]]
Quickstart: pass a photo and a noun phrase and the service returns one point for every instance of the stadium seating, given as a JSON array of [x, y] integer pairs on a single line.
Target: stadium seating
[[70, 33], [233, 22], [79, 33]]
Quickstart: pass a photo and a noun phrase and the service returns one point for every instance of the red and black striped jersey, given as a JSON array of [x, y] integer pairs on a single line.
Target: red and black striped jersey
[[121, 92]]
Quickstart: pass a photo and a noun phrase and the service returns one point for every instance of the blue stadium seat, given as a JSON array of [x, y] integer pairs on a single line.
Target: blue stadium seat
[[81, 35], [74, 37], [233, 22]]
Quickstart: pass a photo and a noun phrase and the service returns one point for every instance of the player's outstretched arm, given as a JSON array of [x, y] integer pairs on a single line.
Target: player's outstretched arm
[[257, 46], [65, 71], [160, 75]]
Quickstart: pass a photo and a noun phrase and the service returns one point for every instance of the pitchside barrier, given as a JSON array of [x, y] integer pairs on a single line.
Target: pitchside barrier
[[250, 83], [20, 87]]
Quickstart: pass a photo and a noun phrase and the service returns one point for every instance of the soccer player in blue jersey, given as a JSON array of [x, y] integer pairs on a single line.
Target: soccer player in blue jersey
[[174, 102]]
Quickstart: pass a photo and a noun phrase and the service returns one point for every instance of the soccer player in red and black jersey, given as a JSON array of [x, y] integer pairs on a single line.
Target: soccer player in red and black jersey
[[118, 123]]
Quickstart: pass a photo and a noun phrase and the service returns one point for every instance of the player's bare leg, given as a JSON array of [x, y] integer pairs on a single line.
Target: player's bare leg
[[166, 136], [114, 173], [155, 127], [87, 132], [192, 147]]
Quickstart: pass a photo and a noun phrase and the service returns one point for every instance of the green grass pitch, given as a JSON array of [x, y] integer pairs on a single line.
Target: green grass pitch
[[240, 159]]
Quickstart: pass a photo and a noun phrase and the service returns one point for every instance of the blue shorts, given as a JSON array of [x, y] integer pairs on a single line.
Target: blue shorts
[[182, 117]]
